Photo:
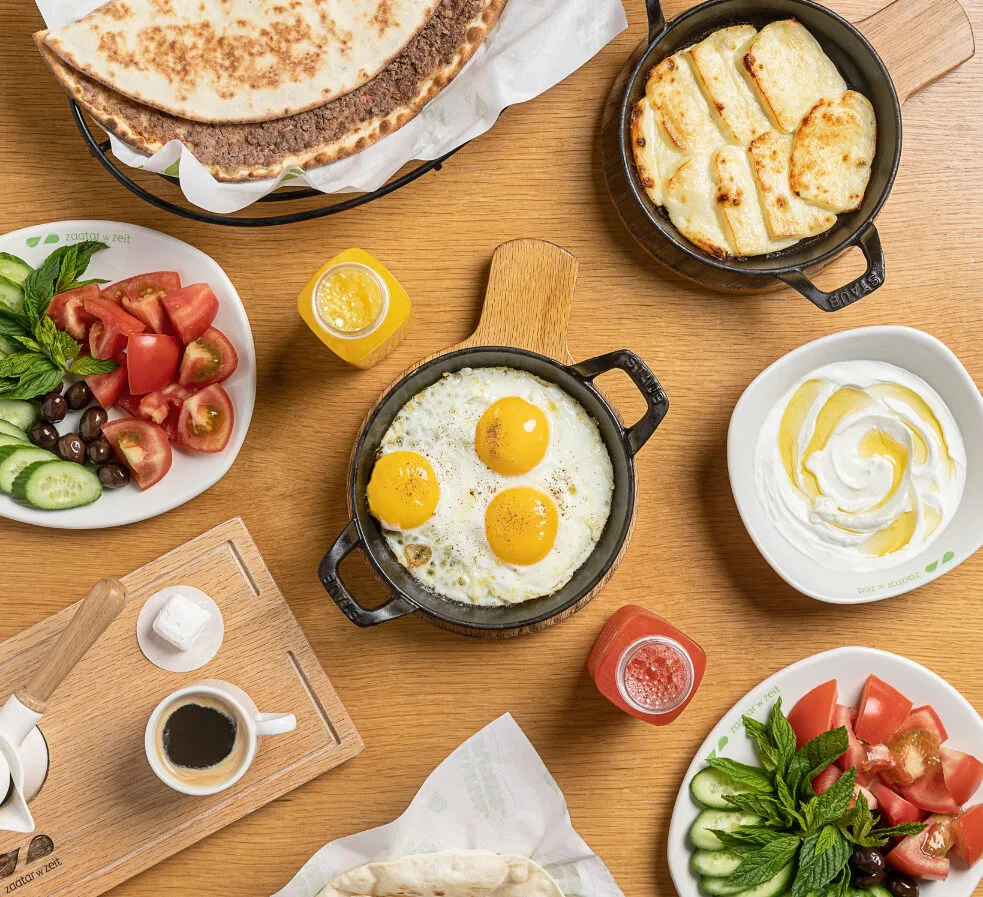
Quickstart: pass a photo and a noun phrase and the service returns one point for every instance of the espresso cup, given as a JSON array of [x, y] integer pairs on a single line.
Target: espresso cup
[[250, 727]]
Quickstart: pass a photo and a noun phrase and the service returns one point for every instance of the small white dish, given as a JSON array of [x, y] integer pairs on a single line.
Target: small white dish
[[138, 250], [850, 667], [906, 348]]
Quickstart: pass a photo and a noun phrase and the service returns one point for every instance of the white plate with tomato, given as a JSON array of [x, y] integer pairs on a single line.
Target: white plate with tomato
[[180, 398], [905, 744]]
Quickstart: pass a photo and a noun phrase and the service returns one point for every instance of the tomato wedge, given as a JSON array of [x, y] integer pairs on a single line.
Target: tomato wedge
[[963, 774], [129, 403], [208, 359], [206, 420], [67, 310], [912, 855], [925, 717], [108, 335], [930, 793], [152, 361], [191, 310], [882, 711], [813, 713], [856, 752], [142, 446], [967, 832], [826, 779], [107, 388], [157, 405], [894, 807], [141, 297], [914, 754]]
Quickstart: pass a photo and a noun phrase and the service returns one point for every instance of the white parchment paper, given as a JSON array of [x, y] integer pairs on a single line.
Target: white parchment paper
[[534, 45], [493, 793]]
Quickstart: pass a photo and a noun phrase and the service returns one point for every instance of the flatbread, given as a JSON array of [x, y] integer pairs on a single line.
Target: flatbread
[[452, 873], [238, 60], [242, 152]]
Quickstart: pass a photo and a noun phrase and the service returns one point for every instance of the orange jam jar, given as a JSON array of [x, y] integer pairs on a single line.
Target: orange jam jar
[[646, 666], [356, 308]]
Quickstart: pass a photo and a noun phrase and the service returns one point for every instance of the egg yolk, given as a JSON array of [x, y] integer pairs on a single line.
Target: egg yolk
[[512, 436], [403, 490], [521, 525]]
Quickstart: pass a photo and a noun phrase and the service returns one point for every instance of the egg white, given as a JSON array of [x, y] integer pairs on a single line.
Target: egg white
[[576, 472]]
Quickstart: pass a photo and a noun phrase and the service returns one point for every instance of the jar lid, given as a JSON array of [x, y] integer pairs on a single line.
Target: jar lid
[[330, 326], [655, 674]]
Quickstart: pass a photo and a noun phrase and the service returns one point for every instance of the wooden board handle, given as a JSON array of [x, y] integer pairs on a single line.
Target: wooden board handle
[[101, 606], [527, 304], [920, 40]]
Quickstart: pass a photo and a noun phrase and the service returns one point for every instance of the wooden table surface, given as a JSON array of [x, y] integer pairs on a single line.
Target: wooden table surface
[[414, 692]]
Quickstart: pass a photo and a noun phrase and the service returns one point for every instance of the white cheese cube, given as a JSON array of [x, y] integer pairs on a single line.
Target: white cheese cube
[[181, 621]]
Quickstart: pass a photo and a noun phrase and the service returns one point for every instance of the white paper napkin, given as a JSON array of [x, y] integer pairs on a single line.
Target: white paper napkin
[[493, 793], [535, 45]]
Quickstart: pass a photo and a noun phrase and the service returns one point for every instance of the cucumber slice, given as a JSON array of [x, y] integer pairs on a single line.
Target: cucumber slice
[[878, 891], [6, 347], [11, 294], [56, 485], [8, 429], [701, 833], [709, 787], [20, 413], [18, 458], [712, 863], [774, 887], [7, 439], [14, 268], [718, 887]]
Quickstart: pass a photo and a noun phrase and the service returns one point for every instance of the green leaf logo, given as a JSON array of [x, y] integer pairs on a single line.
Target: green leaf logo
[[722, 743], [33, 241], [931, 567], [173, 169], [948, 556], [51, 238]]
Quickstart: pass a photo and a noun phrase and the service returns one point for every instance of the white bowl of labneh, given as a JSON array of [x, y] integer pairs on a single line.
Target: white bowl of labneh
[[856, 462]]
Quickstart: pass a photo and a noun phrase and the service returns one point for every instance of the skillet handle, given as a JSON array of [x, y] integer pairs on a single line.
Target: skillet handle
[[655, 396], [330, 578], [870, 244], [656, 18]]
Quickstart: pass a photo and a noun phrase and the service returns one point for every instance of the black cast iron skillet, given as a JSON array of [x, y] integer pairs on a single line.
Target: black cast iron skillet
[[863, 71], [534, 315]]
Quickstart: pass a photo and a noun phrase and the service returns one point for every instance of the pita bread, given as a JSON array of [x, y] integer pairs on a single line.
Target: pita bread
[[452, 873], [241, 152], [238, 60]]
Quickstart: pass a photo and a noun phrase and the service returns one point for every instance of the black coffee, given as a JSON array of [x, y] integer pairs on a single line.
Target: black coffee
[[198, 737]]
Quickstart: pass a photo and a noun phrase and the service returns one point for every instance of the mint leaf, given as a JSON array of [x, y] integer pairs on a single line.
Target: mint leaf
[[827, 838], [765, 863], [818, 869], [761, 735], [813, 757], [904, 830], [747, 838], [75, 260], [761, 805], [38, 378], [782, 735], [86, 365], [832, 803], [750, 776]]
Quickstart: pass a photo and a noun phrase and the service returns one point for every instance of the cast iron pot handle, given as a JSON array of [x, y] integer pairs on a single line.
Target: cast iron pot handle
[[864, 285], [657, 19], [650, 388], [344, 545]]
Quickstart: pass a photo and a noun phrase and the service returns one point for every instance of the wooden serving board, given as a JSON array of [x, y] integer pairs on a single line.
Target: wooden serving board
[[103, 816], [918, 41]]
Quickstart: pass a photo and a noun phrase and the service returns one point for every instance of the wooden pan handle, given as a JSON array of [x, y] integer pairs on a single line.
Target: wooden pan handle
[[920, 40], [102, 605], [527, 304]]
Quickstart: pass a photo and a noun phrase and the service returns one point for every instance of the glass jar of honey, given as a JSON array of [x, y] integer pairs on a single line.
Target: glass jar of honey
[[356, 308]]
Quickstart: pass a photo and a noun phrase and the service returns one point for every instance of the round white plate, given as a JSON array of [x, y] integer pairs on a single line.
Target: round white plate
[[850, 667], [137, 250], [907, 348]]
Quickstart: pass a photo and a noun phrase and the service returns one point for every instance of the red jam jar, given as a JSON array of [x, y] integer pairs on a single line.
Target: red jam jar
[[645, 666]]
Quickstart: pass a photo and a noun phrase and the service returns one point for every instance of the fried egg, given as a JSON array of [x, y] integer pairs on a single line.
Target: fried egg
[[492, 486]]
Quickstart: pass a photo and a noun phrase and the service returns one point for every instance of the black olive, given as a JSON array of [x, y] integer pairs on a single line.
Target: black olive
[[901, 885], [43, 434], [90, 426], [99, 451], [864, 882], [868, 859], [113, 475], [54, 408], [79, 396], [71, 448]]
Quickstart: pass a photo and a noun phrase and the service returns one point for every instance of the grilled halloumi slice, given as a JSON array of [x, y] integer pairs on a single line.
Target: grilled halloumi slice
[[787, 216], [718, 63], [832, 152], [791, 71], [656, 156], [737, 199], [691, 201], [674, 92]]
